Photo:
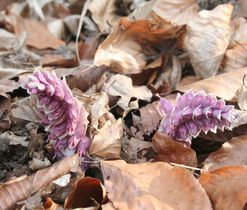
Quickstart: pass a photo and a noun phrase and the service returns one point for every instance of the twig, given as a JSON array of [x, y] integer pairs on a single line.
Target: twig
[[184, 166], [83, 13]]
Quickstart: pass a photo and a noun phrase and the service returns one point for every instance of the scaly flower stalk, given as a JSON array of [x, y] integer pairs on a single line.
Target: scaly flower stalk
[[63, 115], [193, 113]]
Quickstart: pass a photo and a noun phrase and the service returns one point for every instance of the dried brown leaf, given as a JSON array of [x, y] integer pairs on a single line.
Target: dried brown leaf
[[26, 109], [223, 86], [104, 13], [177, 12], [132, 44], [149, 186], [37, 35], [121, 85], [242, 96], [236, 58], [88, 192], [106, 141], [172, 151], [231, 153], [226, 187], [240, 30], [147, 122], [207, 38], [22, 187]]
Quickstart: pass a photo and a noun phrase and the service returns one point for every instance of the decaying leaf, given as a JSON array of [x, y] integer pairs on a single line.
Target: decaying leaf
[[207, 38], [231, 153], [172, 151], [121, 85], [177, 12], [106, 142], [131, 148], [236, 58], [150, 186], [88, 192], [8, 41], [223, 86], [132, 44], [22, 187], [242, 96], [9, 138], [145, 121], [104, 13], [240, 30], [226, 187], [37, 35], [26, 109]]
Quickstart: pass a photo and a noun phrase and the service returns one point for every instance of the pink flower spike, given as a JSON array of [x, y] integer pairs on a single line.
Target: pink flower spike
[[193, 113], [63, 115]]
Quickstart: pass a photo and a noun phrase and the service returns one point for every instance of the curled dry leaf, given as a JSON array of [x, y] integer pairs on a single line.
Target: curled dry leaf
[[88, 192], [207, 38], [223, 86], [121, 85], [124, 51], [106, 141], [231, 153], [49, 204], [172, 151], [104, 13], [226, 187], [21, 188], [150, 186], [236, 58], [177, 12]]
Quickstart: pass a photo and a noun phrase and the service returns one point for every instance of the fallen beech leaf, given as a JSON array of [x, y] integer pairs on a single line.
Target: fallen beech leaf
[[147, 121], [49, 204], [172, 151], [241, 8], [121, 85], [226, 187], [106, 142], [25, 109], [224, 86], [131, 148], [231, 153], [242, 96], [178, 12], [236, 58], [22, 187], [63, 180], [37, 35], [207, 38], [88, 192], [187, 81], [8, 41], [104, 13], [13, 139], [240, 30], [59, 60], [131, 45], [150, 186]]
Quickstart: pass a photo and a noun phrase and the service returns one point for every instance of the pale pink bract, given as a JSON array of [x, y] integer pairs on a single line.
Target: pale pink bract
[[193, 113], [63, 115]]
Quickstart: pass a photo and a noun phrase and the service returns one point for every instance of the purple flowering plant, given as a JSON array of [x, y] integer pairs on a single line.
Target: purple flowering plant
[[193, 113], [63, 116]]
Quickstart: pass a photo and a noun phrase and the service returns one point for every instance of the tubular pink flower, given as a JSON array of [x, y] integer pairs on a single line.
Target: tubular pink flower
[[193, 113], [63, 115]]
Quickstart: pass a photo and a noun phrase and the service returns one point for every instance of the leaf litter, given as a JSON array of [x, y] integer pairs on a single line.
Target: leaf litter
[[130, 105]]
